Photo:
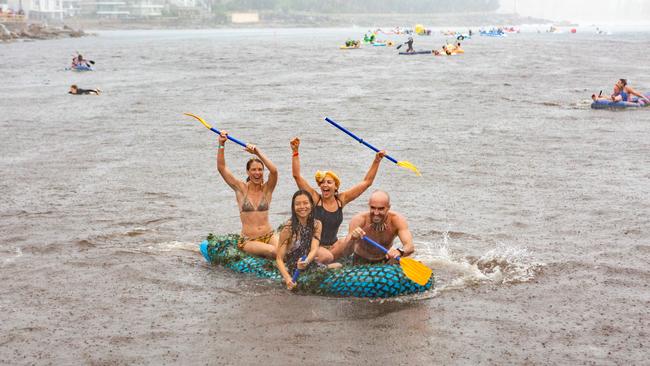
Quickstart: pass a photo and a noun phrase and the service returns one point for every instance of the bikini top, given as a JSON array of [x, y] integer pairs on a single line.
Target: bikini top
[[247, 206]]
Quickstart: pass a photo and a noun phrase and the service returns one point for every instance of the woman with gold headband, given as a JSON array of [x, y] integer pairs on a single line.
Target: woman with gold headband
[[330, 202], [253, 198]]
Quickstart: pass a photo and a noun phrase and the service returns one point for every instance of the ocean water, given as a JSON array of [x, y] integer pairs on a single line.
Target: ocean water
[[532, 209]]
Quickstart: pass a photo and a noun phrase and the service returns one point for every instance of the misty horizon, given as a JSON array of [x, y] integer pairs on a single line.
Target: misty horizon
[[582, 11]]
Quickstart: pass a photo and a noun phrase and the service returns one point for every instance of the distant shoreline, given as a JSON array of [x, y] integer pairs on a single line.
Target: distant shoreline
[[308, 20]]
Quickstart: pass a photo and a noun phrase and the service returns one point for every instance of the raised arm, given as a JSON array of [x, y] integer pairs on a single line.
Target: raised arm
[[273, 170], [295, 170], [226, 174], [356, 191]]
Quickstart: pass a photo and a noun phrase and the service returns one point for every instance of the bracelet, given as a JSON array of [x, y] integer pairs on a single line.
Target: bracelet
[[221, 146], [295, 153]]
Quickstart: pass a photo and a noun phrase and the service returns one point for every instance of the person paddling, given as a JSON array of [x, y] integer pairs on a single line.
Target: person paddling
[[253, 199], [380, 224], [74, 89], [330, 202], [409, 45], [79, 61]]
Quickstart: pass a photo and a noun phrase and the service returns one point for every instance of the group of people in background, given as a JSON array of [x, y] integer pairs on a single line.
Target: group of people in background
[[310, 237]]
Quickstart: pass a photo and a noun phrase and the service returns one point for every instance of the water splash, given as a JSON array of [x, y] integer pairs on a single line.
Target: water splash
[[502, 264]]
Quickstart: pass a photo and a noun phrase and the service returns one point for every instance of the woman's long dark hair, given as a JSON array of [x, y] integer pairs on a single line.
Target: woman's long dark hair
[[295, 224]]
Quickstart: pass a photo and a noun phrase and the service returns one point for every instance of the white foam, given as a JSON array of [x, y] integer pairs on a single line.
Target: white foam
[[18, 253], [174, 246], [454, 271]]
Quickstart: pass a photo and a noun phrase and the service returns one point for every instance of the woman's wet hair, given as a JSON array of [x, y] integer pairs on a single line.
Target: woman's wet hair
[[295, 224], [250, 162], [623, 81]]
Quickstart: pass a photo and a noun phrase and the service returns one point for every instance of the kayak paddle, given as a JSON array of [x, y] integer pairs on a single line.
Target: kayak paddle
[[403, 164], [243, 144], [414, 270]]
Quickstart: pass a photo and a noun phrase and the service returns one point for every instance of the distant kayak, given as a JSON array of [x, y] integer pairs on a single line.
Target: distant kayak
[[608, 104], [418, 52], [492, 34]]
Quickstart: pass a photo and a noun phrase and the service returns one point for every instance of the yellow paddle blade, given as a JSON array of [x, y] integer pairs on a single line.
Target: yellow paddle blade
[[408, 165], [200, 120], [415, 271]]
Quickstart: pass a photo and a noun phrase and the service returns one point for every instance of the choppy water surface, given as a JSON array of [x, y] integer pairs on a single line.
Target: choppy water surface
[[532, 208]]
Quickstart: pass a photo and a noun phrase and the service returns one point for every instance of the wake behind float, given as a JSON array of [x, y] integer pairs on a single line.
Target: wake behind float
[[369, 281]]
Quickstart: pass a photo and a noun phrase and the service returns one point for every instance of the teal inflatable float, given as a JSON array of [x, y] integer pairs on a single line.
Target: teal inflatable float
[[370, 281]]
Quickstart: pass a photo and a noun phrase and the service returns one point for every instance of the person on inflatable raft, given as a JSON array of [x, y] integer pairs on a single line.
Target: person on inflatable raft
[[622, 93], [380, 224]]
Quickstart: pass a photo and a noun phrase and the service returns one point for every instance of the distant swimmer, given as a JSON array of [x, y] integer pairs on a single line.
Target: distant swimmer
[[80, 61], [622, 93], [352, 43], [78, 91]]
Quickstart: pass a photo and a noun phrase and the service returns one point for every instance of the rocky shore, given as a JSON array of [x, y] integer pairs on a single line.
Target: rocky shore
[[34, 31]]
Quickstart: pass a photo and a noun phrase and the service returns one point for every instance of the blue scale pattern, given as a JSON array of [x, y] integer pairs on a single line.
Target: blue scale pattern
[[371, 281]]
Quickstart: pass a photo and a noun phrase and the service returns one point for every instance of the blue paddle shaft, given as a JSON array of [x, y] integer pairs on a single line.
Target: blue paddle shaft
[[243, 144], [358, 139], [377, 245], [296, 272]]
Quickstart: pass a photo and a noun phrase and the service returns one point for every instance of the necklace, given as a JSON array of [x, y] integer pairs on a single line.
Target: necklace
[[379, 227]]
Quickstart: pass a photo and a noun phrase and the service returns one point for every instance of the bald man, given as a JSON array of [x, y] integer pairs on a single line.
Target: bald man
[[379, 224]]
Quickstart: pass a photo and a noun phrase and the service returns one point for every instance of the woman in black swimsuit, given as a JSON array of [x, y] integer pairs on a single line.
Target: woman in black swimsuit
[[329, 202], [253, 198]]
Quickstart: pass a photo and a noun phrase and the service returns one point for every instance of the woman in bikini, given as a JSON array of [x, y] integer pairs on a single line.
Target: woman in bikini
[[253, 198], [299, 237], [329, 202]]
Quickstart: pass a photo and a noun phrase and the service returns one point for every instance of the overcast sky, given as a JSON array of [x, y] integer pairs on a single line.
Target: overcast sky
[[583, 11]]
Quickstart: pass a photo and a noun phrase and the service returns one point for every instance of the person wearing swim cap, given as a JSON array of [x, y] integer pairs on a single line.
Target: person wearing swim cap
[[330, 202]]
